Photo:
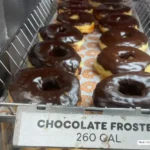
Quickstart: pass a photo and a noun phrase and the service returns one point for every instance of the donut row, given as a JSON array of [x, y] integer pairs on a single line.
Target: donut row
[[122, 62], [54, 63]]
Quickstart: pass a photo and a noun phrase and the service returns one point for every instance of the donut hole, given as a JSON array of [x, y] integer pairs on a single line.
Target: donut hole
[[49, 84], [58, 52], [125, 34], [126, 55], [131, 88], [75, 17]]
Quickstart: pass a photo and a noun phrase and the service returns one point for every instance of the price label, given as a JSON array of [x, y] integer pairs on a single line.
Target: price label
[[70, 130]]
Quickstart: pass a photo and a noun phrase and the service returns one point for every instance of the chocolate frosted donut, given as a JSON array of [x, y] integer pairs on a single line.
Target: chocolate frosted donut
[[74, 6], [123, 90], [45, 85], [81, 20], [124, 37], [111, 8], [54, 54], [62, 32], [117, 21], [120, 59]]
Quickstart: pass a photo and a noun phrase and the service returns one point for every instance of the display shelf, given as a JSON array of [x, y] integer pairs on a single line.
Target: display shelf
[[14, 58]]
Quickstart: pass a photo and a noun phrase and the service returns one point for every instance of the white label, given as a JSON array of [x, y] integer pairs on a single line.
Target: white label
[[82, 131], [143, 142]]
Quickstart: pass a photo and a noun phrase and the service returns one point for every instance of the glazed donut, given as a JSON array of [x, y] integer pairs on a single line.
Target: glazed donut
[[120, 59], [124, 37], [54, 54], [62, 32], [123, 90], [117, 21], [111, 8], [96, 3], [74, 6], [81, 20], [45, 85]]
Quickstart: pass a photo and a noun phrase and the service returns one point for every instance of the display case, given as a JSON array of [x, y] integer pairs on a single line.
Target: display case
[[21, 20]]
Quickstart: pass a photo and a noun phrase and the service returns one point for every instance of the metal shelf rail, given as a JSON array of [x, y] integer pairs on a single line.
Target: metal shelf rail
[[14, 55]]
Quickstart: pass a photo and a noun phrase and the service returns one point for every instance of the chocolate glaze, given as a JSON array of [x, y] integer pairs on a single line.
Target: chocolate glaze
[[124, 37], [107, 1], [45, 85], [118, 21], [120, 59], [62, 32], [123, 90], [75, 6], [54, 54], [116, 8], [84, 18]]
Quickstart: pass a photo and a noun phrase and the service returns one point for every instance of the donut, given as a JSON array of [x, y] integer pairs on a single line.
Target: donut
[[123, 90], [96, 3], [62, 32], [124, 37], [45, 85], [75, 6], [81, 20], [54, 54], [117, 21], [120, 59], [111, 8]]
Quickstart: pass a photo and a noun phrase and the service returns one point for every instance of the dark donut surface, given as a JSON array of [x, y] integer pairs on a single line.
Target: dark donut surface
[[45, 85], [123, 90], [75, 6], [120, 59], [118, 21], [124, 37], [54, 54], [111, 8], [62, 32], [84, 18]]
